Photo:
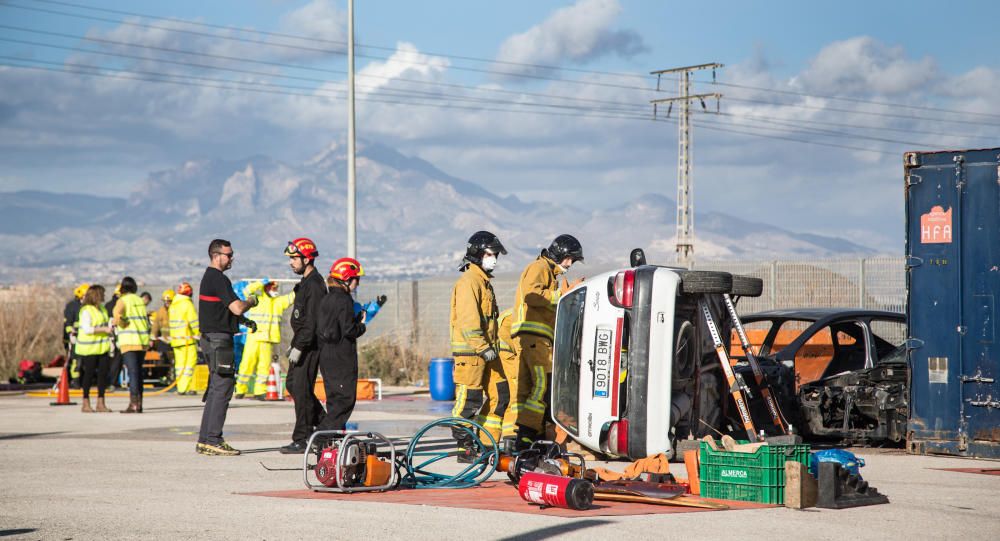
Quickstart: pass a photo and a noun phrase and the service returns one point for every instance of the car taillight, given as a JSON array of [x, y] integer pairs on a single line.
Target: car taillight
[[621, 288], [617, 441]]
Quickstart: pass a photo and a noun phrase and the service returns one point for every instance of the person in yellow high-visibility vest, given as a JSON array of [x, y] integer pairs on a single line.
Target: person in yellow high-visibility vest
[[131, 322], [259, 348], [184, 335], [92, 345], [535, 301]]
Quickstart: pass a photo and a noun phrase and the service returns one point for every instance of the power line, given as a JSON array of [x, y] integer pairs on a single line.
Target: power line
[[618, 107], [286, 65], [861, 112], [850, 99], [335, 42], [331, 51], [427, 53], [822, 131]]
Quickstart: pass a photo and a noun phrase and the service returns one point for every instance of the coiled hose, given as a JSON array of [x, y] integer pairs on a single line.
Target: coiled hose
[[414, 464]]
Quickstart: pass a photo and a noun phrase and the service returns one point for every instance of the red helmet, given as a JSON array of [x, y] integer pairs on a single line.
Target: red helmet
[[184, 289], [346, 268], [302, 247]]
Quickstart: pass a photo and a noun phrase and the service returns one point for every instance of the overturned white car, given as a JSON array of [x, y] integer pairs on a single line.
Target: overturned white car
[[633, 368]]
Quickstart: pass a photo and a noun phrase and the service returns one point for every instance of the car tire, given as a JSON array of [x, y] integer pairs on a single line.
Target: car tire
[[706, 282], [685, 350], [747, 286]]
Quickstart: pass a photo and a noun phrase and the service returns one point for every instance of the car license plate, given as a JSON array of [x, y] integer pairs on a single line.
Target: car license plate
[[602, 361]]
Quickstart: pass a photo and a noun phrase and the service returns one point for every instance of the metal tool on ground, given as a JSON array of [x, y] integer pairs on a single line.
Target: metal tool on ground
[[550, 490], [737, 387], [765, 389], [840, 489], [544, 457], [349, 461]]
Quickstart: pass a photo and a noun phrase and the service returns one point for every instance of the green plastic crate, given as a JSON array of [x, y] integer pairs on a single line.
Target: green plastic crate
[[752, 477]]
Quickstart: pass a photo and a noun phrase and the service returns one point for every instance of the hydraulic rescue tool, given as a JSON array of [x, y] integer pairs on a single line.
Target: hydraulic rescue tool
[[350, 462], [353, 461], [544, 457]]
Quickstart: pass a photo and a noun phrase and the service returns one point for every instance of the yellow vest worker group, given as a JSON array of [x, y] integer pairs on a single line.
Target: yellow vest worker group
[[532, 329], [184, 335], [258, 351], [97, 343], [473, 323]]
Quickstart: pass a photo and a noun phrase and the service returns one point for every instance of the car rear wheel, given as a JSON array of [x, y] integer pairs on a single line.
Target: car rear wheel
[[706, 282], [747, 286], [685, 351]]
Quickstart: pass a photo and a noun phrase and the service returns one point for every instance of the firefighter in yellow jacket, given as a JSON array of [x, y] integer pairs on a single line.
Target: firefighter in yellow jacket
[[511, 372], [184, 335], [259, 348], [474, 343], [535, 300]]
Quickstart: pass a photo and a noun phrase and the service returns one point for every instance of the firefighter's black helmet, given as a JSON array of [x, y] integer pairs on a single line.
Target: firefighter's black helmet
[[562, 247], [479, 242]]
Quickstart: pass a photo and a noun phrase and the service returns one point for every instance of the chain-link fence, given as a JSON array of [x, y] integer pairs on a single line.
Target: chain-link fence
[[413, 325], [417, 312]]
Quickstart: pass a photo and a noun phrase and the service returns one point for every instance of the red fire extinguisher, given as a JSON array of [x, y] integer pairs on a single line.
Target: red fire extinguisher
[[556, 491]]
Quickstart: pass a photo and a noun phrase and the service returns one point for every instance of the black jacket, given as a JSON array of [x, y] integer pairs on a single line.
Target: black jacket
[[339, 327], [309, 292], [70, 314]]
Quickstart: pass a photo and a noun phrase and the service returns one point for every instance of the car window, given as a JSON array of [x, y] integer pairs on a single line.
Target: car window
[[567, 358], [889, 337], [813, 357], [756, 333], [850, 348]]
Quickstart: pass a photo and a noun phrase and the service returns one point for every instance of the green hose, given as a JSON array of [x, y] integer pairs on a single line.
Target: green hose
[[418, 475]]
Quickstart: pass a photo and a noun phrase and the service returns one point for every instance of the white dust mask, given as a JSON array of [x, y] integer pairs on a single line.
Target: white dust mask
[[489, 263]]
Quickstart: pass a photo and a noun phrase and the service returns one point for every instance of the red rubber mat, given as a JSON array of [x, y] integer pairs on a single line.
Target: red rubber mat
[[495, 496], [982, 471]]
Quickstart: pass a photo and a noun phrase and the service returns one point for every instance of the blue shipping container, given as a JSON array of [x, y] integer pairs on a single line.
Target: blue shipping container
[[953, 279]]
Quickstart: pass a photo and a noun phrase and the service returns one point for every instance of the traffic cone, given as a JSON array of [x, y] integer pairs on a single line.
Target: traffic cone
[[272, 387], [63, 384]]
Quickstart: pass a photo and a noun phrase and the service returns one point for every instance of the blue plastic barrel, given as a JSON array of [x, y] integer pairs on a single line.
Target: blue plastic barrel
[[442, 379]]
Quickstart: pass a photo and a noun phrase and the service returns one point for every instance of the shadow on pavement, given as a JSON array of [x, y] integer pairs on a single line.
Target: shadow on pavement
[[545, 533], [18, 531], [27, 435]]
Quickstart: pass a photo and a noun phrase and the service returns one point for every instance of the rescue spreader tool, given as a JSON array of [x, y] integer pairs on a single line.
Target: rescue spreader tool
[[736, 385], [765, 388]]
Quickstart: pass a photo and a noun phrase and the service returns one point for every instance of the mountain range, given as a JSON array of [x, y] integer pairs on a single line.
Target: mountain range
[[413, 220]]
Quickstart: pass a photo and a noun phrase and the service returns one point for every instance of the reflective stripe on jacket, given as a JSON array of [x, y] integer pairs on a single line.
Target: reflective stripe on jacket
[[97, 343], [473, 319], [536, 298], [267, 316], [183, 321], [133, 330], [503, 331]]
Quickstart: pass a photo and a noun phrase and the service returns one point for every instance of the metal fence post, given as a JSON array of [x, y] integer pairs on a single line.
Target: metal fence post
[[415, 312], [774, 284], [861, 282]]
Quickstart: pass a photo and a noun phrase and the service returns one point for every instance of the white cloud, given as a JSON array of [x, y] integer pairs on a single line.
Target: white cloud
[[319, 19], [576, 33], [864, 65]]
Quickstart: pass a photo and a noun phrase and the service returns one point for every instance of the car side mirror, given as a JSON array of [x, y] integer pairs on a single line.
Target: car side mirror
[[637, 258]]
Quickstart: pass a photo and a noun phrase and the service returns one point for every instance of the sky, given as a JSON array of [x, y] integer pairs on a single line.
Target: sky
[[545, 100]]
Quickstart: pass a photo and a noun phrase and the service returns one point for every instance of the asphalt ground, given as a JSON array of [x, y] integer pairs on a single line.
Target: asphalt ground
[[68, 475]]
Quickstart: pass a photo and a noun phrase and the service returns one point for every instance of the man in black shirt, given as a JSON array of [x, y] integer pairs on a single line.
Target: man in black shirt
[[303, 358], [219, 312]]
